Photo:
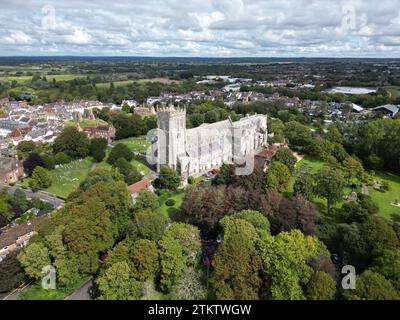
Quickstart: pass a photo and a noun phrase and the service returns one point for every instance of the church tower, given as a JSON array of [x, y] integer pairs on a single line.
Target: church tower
[[172, 124]]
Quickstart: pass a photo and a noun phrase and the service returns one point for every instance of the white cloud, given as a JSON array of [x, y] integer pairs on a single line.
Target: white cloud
[[18, 38], [201, 27]]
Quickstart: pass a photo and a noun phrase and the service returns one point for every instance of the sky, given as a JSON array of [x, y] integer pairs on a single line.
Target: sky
[[201, 28]]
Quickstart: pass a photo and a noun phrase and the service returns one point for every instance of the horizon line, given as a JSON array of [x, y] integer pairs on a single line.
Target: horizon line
[[195, 57]]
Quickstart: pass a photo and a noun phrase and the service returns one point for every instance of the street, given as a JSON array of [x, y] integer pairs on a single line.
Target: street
[[82, 293], [44, 196]]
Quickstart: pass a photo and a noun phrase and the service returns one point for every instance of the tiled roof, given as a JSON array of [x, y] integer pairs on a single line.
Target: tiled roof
[[136, 187], [10, 235]]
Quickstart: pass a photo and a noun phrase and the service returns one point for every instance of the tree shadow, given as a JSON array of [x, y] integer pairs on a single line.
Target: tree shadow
[[395, 217]]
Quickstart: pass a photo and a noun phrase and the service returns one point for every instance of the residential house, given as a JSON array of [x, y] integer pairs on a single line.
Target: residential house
[[10, 170], [14, 238]]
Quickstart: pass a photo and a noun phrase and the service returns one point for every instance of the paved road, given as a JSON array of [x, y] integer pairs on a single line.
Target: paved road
[[82, 293], [44, 196], [13, 295]]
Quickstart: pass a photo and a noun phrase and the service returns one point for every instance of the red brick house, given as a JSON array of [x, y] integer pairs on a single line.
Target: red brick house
[[101, 131]]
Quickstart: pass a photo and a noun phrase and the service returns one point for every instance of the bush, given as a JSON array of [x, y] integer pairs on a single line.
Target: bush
[[62, 158], [385, 186], [170, 202], [190, 180]]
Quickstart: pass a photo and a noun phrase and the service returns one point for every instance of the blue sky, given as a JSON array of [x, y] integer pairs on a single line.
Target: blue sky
[[201, 28]]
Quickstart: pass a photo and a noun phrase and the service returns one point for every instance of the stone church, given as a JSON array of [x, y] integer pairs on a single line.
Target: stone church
[[195, 151]]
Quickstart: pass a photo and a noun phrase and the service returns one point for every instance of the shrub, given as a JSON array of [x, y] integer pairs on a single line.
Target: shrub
[[170, 202], [190, 180]]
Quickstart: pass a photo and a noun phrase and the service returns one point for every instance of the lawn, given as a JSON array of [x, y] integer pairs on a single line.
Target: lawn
[[141, 167], [136, 144], [308, 164], [36, 292], [394, 91], [383, 199], [66, 178], [87, 123], [177, 196]]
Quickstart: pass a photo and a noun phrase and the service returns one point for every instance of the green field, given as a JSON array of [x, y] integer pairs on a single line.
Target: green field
[[86, 123], [66, 178], [394, 91], [136, 144], [58, 77], [140, 81], [384, 199]]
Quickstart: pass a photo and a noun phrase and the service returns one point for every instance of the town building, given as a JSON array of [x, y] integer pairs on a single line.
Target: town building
[[10, 170], [388, 110], [135, 188], [101, 131], [17, 237]]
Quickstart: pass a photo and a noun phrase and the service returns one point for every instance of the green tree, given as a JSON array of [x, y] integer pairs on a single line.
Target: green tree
[[19, 199], [34, 258], [97, 149], [379, 234], [128, 171], [88, 231], [31, 162], [40, 179], [62, 158], [72, 142], [334, 135], [188, 237], [120, 150], [146, 200], [25, 147], [297, 134], [49, 161], [168, 178], [116, 283], [285, 156], [285, 258], [145, 259], [352, 169], [278, 177], [304, 186], [388, 265], [257, 219], [321, 287], [372, 286], [149, 225], [330, 184], [11, 273], [211, 116], [237, 265], [172, 262]]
